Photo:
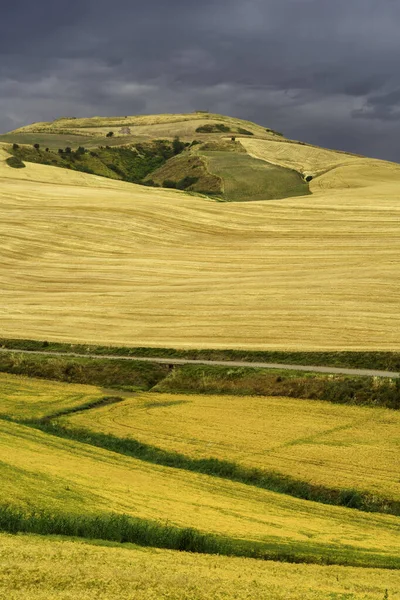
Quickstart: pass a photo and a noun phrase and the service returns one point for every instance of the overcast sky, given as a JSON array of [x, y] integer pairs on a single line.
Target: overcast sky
[[322, 71]]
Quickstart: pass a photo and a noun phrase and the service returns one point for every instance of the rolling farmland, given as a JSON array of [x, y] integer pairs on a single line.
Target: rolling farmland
[[327, 444], [53, 485], [89, 259]]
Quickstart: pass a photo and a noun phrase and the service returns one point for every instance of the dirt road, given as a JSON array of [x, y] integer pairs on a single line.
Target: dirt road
[[224, 363]]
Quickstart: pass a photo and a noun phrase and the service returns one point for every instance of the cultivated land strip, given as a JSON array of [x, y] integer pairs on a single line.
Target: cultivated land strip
[[37, 568], [40, 404], [224, 363], [119, 498]]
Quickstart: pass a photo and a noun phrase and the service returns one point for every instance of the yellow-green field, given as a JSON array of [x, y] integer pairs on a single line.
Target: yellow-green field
[[89, 259], [318, 442], [35, 568], [43, 472], [25, 398]]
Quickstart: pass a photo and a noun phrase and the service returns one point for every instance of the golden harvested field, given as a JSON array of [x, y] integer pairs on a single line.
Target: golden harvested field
[[87, 259], [26, 398], [40, 471], [305, 159], [40, 568], [322, 443]]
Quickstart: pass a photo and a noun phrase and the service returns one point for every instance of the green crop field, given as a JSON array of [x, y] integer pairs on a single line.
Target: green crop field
[[247, 178], [24, 398], [38, 568], [347, 447], [61, 481], [53, 486]]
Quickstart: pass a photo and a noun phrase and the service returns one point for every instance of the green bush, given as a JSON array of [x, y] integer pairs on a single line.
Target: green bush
[[213, 128], [169, 183], [178, 146], [15, 162], [186, 182]]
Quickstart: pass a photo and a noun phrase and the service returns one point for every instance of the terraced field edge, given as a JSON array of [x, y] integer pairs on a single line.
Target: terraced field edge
[[124, 529]]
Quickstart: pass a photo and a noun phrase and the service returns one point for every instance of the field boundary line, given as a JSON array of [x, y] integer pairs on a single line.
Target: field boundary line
[[222, 363]]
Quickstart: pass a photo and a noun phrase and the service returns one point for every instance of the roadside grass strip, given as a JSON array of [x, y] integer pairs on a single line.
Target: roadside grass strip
[[384, 361]]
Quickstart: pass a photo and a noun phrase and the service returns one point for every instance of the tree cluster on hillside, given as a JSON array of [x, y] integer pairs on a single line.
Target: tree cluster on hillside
[[132, 164], [213, 128]]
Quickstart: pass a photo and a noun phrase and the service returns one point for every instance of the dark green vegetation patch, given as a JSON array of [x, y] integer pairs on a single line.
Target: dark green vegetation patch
[[15, 162], [132, 164], [118, 374]]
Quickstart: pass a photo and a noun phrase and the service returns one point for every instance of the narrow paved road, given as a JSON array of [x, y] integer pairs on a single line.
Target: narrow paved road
[[224, 363]]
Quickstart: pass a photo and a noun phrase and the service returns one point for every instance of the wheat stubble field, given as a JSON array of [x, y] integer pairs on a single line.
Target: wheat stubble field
[[85, 258]]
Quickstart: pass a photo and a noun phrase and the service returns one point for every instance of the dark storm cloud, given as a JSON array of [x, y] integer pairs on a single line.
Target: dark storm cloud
[[325, 72]]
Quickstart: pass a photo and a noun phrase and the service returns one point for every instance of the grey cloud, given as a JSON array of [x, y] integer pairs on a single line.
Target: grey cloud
[[318, 70]]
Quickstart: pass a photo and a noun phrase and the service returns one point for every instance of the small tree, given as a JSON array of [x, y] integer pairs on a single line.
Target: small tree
[[36, 146], [178, 146], [15, 147], [47, 149], [68, 150], [110, 134], [60, 151]]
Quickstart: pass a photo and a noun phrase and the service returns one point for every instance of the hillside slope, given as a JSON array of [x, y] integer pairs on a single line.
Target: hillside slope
[[130, 149], [149, 126], [90, 259]]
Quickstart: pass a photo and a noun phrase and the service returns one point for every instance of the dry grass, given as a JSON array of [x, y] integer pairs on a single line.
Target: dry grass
[[25, 398], [35, 568], [43, 472], [324, 444], [146, 126], [92, 260]]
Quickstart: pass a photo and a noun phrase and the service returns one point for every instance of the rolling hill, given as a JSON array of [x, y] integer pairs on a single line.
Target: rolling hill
[[87, 258]]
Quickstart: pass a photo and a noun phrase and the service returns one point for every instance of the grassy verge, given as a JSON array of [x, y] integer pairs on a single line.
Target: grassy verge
[[389, 361], [272, 481], [203, 379], [247, 381], [119, 374], [125, 529]]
